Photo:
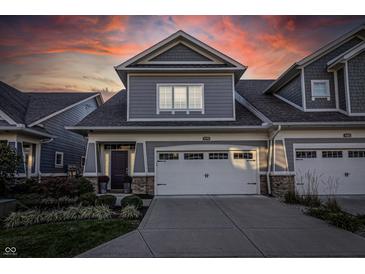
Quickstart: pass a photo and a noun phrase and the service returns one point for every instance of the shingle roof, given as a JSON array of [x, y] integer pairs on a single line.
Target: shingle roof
[[13, 102], [114, 114], [26, 108], [279, 111], [43, 104]]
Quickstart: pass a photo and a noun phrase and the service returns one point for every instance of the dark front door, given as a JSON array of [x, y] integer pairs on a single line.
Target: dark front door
[[119, 168]]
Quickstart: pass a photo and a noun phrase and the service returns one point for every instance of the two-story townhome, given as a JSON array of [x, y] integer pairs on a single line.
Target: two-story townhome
[[34, 125], [188, 124]]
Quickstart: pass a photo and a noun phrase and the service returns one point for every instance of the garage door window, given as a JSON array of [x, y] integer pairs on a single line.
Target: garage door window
[[218, 156], [306, 154], [193, 156], [243, 155], [168, 156], [357, 154], [332, 154]]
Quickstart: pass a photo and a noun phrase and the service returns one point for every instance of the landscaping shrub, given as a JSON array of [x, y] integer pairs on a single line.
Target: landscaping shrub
[[310, 200], [88, 199], [82, 185], [332, 205], [58, 187], [132, 200], [291, 197], [32, 217], [340, 219], [107, 199], [35, 200], [29, 200], [9, 163], [129, 212]]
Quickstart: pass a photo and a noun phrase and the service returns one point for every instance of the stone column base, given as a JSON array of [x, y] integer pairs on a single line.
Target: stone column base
[[280, 184], [143, 185]]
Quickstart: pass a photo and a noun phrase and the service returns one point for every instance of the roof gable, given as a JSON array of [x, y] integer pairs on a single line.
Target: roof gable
[[189, 41], [292, 71]]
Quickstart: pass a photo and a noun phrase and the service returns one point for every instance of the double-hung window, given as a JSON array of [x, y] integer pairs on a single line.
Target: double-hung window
[[180, 97], [320, 89]]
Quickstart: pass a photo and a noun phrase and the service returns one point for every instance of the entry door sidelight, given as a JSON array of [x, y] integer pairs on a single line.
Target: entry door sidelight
[[119, 168]]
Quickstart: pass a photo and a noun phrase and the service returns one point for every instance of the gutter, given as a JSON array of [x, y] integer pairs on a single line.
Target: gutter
[[271, 151], [27, 130]]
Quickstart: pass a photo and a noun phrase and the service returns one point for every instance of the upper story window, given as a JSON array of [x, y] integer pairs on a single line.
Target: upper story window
[[320, 89], [180, 97]]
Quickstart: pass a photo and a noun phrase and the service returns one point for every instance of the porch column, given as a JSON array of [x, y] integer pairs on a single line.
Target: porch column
[[139, 161], [90, 161]]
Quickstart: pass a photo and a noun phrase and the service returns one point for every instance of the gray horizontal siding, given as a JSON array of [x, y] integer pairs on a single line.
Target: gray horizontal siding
[[292, 91], [150, 147], [356, 72], [180, 52], [218, 96], [318, 71], [71, 144], [341, 89], [291, 141]]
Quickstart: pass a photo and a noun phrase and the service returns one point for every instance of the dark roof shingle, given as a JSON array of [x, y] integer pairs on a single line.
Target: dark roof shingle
[[26, 108], [279, 111], [114, 114]]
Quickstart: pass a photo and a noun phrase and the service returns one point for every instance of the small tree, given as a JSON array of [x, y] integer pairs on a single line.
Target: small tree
[[9, 163]]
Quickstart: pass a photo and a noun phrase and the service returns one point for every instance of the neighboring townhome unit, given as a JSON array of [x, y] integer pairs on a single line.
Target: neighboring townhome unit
[[187, 124], [34, 125]]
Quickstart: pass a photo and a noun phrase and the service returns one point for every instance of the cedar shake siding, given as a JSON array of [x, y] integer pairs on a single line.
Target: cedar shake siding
[[217, 101], [318, 71], [356, 72], [292, 91], [179, 52], [71, 144], [341, 89]]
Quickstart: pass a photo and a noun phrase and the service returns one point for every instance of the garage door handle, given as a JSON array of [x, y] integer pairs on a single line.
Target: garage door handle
[[161, 184], [251, 183]]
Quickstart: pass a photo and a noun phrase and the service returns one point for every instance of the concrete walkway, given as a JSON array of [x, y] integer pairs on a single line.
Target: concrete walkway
[[230, 226]]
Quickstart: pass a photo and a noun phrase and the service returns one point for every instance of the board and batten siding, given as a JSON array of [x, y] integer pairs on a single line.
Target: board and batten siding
[[218, 96], [151, 145], [71, 144]]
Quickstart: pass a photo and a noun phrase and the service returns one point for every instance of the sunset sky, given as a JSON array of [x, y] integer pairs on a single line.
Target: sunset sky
[[77, 53]]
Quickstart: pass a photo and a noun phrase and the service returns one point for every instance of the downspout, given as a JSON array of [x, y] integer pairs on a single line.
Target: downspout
[[271, 151]]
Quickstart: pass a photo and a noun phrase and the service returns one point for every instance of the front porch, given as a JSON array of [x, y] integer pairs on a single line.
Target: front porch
[[117, 161]]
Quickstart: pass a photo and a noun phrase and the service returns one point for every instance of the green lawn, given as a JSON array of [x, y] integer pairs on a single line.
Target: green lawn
[[66, 239]]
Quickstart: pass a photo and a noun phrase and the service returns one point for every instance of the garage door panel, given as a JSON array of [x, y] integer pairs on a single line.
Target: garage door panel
[[219, 172], [329, 172]]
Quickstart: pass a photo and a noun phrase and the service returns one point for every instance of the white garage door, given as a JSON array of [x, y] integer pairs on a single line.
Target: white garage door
[[206, 172], [330, 171]]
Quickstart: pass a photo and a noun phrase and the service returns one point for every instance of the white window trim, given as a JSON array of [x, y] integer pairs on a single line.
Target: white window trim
[[55, 159], [173, 110], [327, 82]]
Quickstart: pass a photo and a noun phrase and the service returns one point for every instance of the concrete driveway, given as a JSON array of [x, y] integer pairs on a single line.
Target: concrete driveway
[[230, 226]]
